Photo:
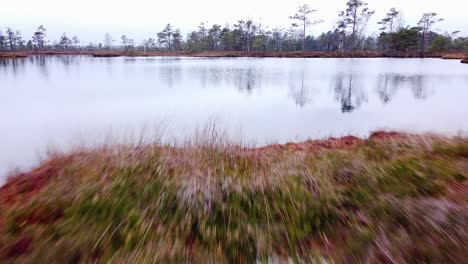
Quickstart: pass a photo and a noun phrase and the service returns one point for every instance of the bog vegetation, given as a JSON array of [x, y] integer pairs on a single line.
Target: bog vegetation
[[348, 34], [392, 198]]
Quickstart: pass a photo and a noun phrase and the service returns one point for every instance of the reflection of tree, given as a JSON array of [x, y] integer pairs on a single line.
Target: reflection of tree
[[350, 95], [299, 93], [245, 79], [389, 84], [41, 62], [170, 70], [385, 89], [68, 60], [3, 64], [13, 64], [215, 76], [208, 75], [419, 90], [250, 80]]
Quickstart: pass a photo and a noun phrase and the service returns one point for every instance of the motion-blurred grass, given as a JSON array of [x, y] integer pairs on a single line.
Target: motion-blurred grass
[[395, 199]]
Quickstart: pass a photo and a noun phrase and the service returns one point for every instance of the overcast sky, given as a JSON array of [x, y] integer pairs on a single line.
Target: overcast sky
[[139, 19]]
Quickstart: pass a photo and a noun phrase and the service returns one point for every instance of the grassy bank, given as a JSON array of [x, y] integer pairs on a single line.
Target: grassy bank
[[255, 54], [391, 198]]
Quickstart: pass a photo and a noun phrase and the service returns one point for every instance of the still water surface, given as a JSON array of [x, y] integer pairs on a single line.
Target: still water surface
[[54, 100]]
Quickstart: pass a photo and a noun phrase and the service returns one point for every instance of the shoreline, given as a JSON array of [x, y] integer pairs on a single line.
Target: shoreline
[[331, 143], [312, 145], [253, 54]]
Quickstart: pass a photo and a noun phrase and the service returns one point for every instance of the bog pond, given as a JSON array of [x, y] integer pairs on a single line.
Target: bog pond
[[55, 101]]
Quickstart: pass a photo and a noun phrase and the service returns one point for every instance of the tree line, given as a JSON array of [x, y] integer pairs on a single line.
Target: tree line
[[246, 35]]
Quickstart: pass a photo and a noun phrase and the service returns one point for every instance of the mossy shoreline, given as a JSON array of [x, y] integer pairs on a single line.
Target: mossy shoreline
[[393, 198]]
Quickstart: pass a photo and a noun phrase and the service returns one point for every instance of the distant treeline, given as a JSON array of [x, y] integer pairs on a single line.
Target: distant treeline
[[247, 35]]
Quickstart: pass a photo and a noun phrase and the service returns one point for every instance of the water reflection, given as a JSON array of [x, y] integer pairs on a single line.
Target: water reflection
[[351, 85], [17, 67], [13, 66], [386, 87], [170, 71], [389, 84], [349, 92], [245, 79], [299, 92], [419, 90], [67, 61], [41, 63]]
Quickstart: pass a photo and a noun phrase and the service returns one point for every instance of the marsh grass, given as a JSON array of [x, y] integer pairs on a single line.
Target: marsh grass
[[208, 200]]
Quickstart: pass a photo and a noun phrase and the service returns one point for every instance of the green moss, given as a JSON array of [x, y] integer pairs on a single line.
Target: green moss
[[408, 177], [458, 149]]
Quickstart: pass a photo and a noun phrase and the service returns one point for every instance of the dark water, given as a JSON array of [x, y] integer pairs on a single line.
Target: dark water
[[56, 100]]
